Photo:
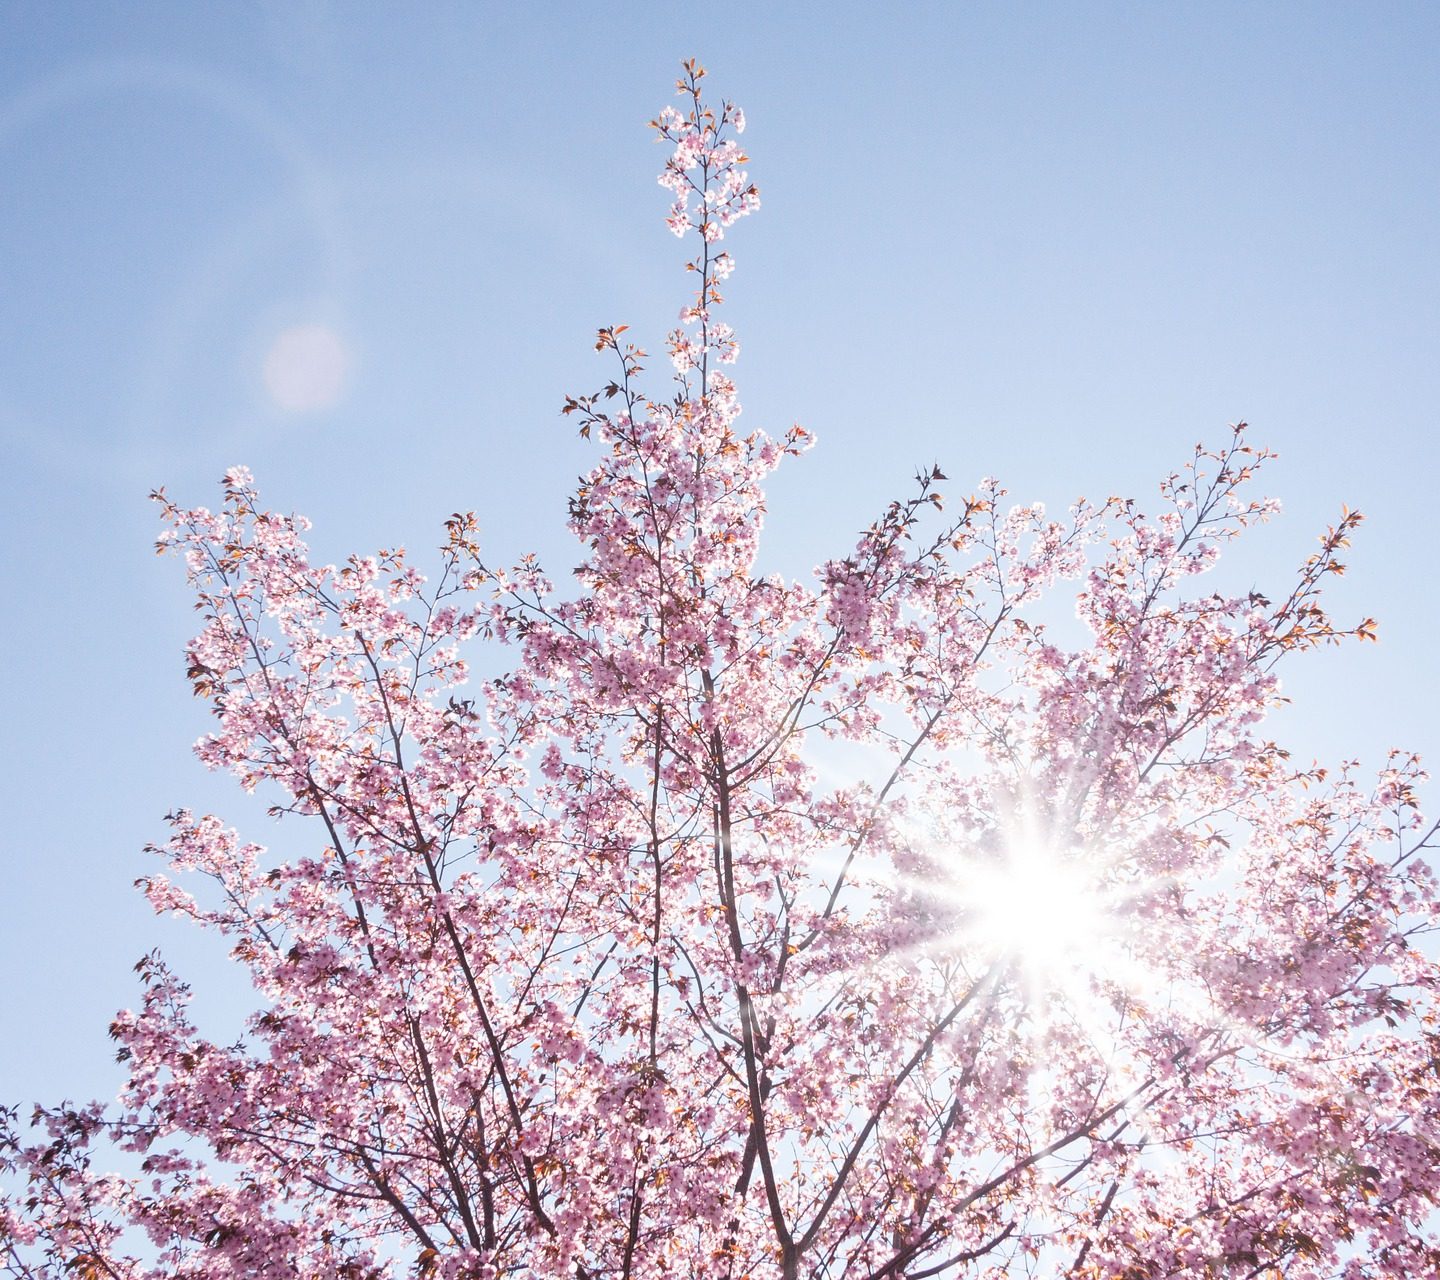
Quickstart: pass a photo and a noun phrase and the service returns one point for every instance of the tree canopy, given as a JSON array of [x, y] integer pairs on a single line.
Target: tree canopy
[[602, 966]]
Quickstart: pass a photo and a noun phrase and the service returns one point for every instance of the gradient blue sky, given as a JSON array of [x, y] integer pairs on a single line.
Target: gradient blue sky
[[1056, 243]]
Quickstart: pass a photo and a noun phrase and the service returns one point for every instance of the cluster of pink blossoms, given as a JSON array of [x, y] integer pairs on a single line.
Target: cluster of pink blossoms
[[599, 966], [705, 168]]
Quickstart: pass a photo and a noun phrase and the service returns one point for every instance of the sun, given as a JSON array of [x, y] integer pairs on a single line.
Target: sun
[[1031, 897], [1045, 913]]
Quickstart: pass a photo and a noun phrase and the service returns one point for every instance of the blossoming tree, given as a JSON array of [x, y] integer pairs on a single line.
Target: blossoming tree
[[597, 972]]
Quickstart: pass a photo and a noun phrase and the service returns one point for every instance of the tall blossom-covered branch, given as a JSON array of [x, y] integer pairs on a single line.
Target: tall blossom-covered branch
[[602, 967]]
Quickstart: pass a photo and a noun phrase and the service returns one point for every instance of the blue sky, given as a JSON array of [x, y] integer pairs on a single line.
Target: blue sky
[[1055, 243]]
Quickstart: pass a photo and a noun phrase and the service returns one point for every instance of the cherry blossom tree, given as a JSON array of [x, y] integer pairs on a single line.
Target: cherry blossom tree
[[874, 926]]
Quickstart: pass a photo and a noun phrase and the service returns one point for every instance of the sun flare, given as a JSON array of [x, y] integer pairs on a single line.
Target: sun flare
[[1054, 912], [1045, 913]]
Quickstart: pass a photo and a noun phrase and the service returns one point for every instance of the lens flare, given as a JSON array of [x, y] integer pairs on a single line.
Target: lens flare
[[1042, 912], [306, 369]]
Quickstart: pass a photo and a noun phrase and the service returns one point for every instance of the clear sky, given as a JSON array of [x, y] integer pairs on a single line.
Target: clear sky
[[363, 249]]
